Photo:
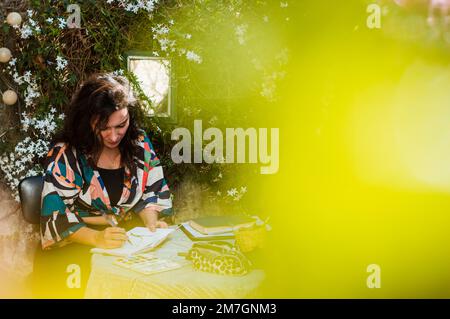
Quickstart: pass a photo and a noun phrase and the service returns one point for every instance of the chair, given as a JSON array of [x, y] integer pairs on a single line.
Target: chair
[[30, 191]]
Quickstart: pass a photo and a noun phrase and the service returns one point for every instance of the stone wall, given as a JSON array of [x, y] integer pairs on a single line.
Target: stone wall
[[191, 201], [18, 241]]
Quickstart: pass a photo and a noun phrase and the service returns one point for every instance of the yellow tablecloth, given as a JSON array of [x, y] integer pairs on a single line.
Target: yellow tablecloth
[[111, 281]]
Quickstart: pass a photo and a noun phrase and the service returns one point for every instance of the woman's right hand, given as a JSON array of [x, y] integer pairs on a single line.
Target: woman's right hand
[[111, 237]]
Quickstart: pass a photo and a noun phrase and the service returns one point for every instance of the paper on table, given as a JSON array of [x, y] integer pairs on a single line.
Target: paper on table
[[142, 240]]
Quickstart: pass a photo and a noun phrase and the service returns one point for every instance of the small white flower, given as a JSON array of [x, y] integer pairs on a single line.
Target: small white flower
[[32, 23], [62, 23], [131, 8], [49, 20], [18, 79], [118, 72], [163, 44], [188, 36], [160, 29], [192, 56], [61, 63], [232, 192], [26, 31]]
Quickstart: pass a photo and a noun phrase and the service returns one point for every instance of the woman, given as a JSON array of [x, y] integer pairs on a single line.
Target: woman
[[101, 174]]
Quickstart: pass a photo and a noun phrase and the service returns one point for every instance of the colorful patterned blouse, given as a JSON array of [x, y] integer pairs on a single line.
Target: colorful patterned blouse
[[73, 189]]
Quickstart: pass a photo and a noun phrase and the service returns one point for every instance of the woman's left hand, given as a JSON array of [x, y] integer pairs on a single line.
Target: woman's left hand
[[150, 219]]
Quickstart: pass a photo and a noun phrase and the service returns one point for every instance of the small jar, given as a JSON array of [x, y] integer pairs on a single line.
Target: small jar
[[250, 238]]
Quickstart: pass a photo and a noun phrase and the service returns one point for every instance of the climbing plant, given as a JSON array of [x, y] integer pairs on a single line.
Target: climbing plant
[[228, 59]]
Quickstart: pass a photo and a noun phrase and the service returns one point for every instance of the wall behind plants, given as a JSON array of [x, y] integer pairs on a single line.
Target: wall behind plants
[[228, 56]]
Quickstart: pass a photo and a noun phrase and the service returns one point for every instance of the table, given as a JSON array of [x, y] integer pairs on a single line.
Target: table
[[111, 281]]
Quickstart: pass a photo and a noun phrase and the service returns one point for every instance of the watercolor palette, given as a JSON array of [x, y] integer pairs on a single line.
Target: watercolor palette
[[146, 264]]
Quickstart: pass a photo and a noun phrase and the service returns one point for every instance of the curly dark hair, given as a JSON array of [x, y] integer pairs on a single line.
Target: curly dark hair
[[96, 99]]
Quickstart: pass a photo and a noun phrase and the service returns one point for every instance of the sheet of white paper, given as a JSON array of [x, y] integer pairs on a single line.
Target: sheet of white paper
[[141, 238]]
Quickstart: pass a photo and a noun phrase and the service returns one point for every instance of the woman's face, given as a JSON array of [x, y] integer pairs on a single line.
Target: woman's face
[[116, 128]]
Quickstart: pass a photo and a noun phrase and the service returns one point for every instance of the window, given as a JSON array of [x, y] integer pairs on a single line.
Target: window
[[154, 77]]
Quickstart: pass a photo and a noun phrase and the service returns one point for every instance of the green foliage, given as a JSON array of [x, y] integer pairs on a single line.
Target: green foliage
[[227, 79]]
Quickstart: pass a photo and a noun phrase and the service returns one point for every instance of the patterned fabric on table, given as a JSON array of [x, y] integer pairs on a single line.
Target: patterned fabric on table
[[74, 189]]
